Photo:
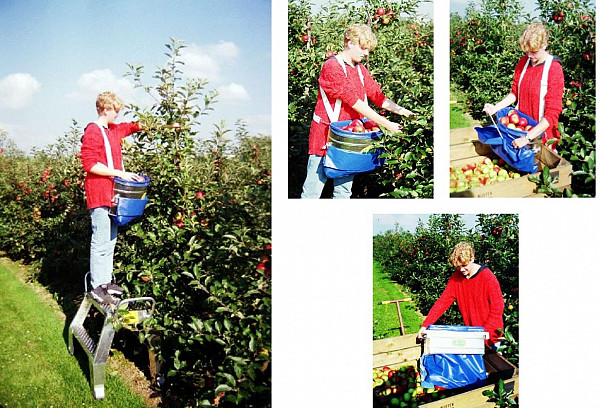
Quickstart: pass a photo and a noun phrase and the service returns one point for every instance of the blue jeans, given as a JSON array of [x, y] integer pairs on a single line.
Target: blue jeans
[[316, 178], [102, 248]]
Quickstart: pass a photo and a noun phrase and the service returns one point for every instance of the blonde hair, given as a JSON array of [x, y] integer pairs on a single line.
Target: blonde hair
[[534, 37], [462, 254], [108, 100], [362, 35]]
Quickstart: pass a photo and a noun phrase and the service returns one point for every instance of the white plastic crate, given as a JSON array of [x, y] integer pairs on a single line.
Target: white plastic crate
[[455, 340]]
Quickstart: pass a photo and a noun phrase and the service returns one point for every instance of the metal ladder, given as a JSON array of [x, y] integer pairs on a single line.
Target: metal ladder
[[128, 313]]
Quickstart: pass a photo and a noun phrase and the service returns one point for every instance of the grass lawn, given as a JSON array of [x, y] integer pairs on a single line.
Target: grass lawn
[[36, 369], [457, 118], [385, 317]]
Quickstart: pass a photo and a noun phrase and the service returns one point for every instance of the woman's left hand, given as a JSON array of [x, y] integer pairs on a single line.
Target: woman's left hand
[[520, 142]]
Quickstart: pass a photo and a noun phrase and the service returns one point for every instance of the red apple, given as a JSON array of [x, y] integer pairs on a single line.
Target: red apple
[[305, 38], [514, 118], [522, 122], [369, 124], [359, 129], [381, 11], [504, 120]]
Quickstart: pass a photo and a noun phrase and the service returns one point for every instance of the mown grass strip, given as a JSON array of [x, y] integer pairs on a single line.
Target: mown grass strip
[[385, 317], [36, 369], [457, 118]]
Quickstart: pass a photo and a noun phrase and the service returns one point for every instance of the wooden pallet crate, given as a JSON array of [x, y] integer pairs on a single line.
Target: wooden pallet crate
[[401, 351], [465, 148]]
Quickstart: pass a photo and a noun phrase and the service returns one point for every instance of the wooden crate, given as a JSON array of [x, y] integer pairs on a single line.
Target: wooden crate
[[465, 148], [403, 350]]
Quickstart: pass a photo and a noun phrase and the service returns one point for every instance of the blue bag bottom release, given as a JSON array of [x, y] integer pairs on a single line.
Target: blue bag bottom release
[[452, 370], [340, 162], [128, 209]]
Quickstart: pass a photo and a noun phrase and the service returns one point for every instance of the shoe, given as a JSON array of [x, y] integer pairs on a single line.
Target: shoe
[[114, 289], [101, 295]]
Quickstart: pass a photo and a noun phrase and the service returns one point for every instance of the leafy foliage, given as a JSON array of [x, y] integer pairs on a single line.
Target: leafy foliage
[[202, 249], [402, 64]]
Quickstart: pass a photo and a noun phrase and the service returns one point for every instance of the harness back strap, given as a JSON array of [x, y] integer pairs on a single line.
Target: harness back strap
[[333, 113]]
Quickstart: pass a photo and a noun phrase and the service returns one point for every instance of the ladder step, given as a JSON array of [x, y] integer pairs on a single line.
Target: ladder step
[[84, 338], [106, 309]]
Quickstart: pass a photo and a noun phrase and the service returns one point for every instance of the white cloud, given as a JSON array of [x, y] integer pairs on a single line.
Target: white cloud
[[90, 84], [233, 93], [260, 123], [207, 61], [16, 90]]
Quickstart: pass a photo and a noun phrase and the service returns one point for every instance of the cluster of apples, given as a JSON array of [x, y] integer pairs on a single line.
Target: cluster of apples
[[480, 174], [401, 388], [513, 121], [358, 126]]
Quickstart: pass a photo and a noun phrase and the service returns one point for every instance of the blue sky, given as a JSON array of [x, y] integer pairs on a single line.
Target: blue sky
[[58, 55], [387, 222], [458, 6]]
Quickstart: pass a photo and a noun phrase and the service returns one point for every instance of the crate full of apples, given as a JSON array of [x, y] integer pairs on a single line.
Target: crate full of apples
[[401, 387], [480, 173]]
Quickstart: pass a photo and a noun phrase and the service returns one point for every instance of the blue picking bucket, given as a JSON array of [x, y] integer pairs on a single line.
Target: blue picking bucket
[[350, 153], [131, 189]]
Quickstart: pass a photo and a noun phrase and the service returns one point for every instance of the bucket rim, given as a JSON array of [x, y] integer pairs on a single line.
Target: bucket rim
[[133, 183]]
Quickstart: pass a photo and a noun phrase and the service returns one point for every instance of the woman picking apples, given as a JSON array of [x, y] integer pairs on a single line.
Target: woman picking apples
[[476, 291], [344, 87], [537, 86]]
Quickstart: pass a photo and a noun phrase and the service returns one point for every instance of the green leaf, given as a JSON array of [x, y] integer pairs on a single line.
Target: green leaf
[[222, 388]]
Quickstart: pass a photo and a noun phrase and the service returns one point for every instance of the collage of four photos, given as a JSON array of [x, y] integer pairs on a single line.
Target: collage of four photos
[[412, 224]]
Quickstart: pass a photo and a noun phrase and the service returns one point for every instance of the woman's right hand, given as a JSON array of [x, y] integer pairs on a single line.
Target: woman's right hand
[[393, 127], [127, 176], [490, 109], [421, 334]]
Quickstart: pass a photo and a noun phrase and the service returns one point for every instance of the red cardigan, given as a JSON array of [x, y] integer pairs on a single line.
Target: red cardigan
[[479, 300], [99, 189], [337, 86], [529, 103]]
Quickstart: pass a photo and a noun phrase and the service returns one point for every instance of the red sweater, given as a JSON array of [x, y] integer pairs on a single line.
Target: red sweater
[[337, 86], [479, 300], [99, 189], [529, 103]]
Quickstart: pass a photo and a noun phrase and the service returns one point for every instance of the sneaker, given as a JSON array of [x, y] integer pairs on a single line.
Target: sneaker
[[114, 289], [101, 295]]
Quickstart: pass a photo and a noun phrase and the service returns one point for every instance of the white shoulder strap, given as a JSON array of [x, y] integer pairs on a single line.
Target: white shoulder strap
[[109, 158], [519, 85], [544, 86]]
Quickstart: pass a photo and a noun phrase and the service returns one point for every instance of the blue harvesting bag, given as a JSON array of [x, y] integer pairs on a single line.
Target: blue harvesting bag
[[128, 209], [350, 153], [452, 370], [129, 200]]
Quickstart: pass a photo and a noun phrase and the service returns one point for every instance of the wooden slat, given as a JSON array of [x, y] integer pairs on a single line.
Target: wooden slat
[[474, 398], [394, 351]]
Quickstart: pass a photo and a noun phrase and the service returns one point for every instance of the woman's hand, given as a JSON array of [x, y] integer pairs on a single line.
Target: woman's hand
[[520, 142], [125, 175], [490, 109], [393, 127], [421, 334]]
